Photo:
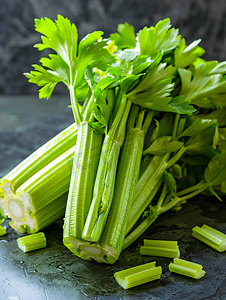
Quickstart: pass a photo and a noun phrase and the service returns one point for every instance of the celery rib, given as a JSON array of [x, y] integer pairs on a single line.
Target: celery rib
[[210, 236], [81, 185], [41, 157], [186, 268], [127, 177], [138, 275], [147, 187], [44, 191], [32, 242], [33, 167], [105, 182], [160, 248]]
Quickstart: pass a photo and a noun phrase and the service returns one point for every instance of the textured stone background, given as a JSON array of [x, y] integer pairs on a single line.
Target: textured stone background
[[203, 19]]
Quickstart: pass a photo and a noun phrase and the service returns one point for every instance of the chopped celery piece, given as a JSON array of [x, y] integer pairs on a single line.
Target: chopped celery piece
[[138, 275], [212, 237], [186, 268], [2, 230], [32, 242], [160, 248]]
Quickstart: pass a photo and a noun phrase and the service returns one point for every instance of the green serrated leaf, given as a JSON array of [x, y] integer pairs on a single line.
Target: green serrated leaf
[[215, 172], [207, 82], [125, 37], [184, 55], [197, 126], [202, 142], [158, 38], [102, 106], [181, 106], [60, 36], [163, 145]]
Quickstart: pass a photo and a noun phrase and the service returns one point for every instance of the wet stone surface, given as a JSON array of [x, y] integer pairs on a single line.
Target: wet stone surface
[[59, 274]]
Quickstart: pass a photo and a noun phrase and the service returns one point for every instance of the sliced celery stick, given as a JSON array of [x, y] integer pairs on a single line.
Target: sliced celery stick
[[2, 230], [32, 242], [186, 268], [160, 248], [212, 237], [41, 200], [138, 275]]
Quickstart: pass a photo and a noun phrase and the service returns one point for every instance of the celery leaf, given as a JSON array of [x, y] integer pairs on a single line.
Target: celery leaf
[[207, 82], [125, 37], [158, 38], [184, 55]]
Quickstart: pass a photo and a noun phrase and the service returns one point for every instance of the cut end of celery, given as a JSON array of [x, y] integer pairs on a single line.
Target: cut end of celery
[[222, 246], [4, 190], [91, 251], [25, 218], [32, 242], [138, 275], [211, 237], [187, 268]]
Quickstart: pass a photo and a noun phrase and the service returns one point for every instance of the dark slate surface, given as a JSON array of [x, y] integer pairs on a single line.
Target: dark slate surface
[[54, 273], [196, 19]]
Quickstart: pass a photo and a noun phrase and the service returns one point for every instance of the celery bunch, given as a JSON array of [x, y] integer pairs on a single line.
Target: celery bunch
[[148, 136]]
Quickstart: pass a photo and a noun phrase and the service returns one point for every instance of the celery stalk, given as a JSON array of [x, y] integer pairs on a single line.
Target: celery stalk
[[41, 199], [126, 180], [210, 236], [32, 242], [81, 185], [35, 162], [41, 157], [138, 275], [147, 187], [104, 185], [186, 268]]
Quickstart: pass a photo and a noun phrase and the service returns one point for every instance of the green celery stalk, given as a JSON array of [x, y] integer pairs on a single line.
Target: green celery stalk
[[138, 275], [126, 180], [41, 199], [32, 242], [41, 157], [210, 236], [35, 162], [85, 164], [160, 248], [186, 268], [147, 187], [105, 181]]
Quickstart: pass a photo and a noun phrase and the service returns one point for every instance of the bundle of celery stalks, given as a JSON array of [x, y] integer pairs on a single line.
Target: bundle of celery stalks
[[149, 134]]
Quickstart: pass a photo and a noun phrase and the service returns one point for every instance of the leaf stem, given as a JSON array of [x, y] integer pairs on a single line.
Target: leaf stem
[[175, 126], [74, 104]]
